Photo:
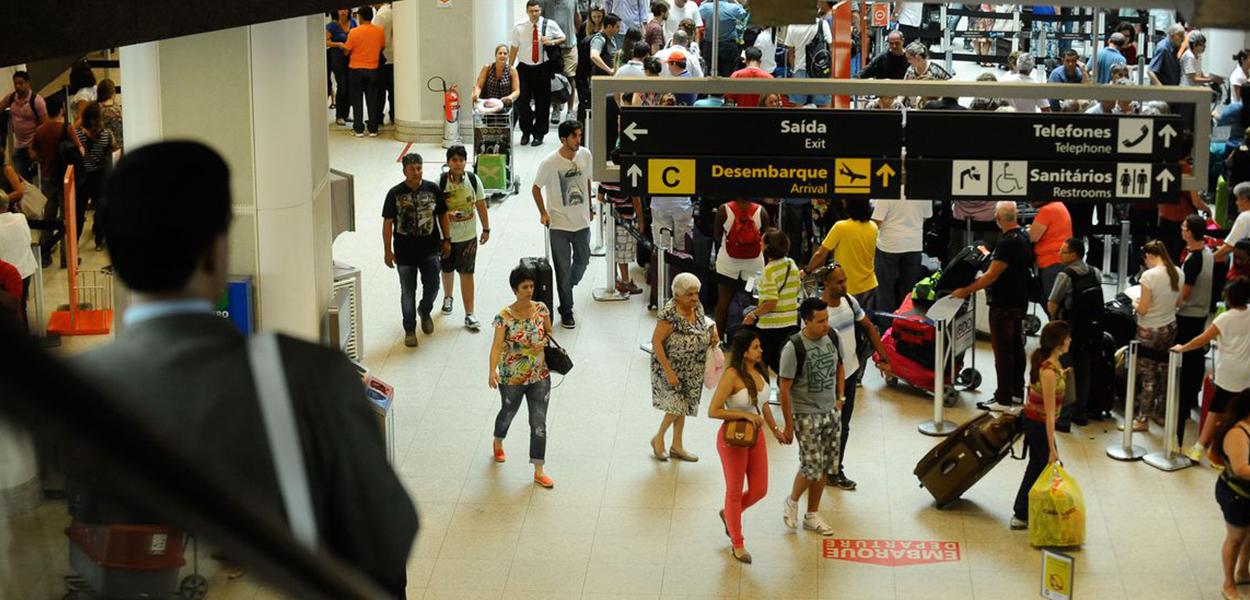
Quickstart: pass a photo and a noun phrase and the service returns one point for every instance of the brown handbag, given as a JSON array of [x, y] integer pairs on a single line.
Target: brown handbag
[[741, 433]]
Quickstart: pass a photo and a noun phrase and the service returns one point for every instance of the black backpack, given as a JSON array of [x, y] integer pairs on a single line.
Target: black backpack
[[1088, 303], [67, 154], [819, 61], [800, 350]]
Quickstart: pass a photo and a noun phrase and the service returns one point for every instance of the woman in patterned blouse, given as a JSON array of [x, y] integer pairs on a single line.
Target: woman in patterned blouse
[[519, 369]]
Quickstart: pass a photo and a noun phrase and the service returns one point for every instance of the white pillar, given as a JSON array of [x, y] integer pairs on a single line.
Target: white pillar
[[1222, 44], [254, 94], [451, 42]]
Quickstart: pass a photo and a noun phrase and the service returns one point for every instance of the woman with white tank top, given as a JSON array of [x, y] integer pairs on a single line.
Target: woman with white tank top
[[737, 397]]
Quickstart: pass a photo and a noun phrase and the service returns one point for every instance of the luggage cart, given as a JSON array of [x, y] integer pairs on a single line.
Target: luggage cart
[[493, 152], [960, 339]]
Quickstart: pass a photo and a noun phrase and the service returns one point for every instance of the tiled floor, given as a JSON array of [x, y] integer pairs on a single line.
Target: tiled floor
[[621, 525]]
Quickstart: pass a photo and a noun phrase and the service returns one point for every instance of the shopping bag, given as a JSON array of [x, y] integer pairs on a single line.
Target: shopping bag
[[1056, 509], [713, 367]]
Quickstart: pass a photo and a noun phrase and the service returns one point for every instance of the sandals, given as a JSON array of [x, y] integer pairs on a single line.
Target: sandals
[[657, 450], [682, 455], [744, 557], [725, 523], [545, 481]]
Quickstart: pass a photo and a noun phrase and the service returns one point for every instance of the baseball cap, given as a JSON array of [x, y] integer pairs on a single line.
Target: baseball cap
[[676, 57]]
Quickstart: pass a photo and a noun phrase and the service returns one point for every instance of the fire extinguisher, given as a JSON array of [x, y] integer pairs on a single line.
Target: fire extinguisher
[[451, 110]]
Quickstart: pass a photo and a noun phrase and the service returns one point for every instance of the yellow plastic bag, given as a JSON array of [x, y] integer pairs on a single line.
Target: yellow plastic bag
[[1056, 509]]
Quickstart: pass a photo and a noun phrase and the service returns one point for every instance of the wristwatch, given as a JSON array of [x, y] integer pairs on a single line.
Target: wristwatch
[[486, 230]]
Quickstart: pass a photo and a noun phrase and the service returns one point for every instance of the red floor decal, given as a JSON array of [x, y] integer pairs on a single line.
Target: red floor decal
[[405, 151], [891, 553]]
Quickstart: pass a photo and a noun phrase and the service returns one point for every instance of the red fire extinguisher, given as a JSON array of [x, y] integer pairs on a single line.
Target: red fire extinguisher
[[451, 110]]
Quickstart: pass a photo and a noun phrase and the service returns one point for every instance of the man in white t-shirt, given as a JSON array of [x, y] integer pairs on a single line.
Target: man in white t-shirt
[[681, 43], [900, 241], [382, 17], [679, 10], [565, 174], [909, 15], [797, 39], [1241, 227], [1024, 73], [844, 314]]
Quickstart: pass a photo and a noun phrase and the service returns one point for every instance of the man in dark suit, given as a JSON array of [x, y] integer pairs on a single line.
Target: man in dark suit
[[185, 371]]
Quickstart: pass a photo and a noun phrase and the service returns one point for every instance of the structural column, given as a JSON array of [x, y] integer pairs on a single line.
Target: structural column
[[264, 113], [452, 42]]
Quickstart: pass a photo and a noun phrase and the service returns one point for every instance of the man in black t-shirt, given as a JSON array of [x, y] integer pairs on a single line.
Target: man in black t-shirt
[[413, 239], [1008, 280]]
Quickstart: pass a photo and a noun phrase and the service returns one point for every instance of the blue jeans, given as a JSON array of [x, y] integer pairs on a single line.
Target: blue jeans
[[570, 253], [536, 395], [428, 267], [896, 275], [802, 99]]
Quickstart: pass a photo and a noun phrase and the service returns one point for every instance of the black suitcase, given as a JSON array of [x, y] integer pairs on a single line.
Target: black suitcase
[[1103, 385], [962, 269], [966, 455], [540, 266], [1118, 320]]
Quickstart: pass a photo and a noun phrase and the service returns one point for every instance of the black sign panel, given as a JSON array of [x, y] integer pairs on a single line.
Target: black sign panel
[[697, 131], [984, 179], [761, 177], [1043, 136]]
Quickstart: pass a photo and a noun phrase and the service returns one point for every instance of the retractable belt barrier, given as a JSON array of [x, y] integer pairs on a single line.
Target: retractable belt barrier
[[1170, 458], [1125, 450], [609, 293]]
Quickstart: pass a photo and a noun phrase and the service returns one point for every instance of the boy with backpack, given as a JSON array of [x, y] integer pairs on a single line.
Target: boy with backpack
[[1077, 298], [463, 193], [810, 55], [812, 380], [739, 227]]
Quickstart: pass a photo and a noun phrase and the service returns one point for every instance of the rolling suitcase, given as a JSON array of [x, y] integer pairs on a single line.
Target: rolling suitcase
[[1103, 387], [1119, 320], [966, 455], [540, 266], [962, 269]]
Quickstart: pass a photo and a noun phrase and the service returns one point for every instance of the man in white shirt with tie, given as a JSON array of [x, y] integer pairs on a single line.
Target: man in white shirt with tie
[[528, 53]]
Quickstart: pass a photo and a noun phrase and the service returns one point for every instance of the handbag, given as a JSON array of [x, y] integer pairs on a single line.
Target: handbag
[[713, 367], [741, 433], [557, 357]]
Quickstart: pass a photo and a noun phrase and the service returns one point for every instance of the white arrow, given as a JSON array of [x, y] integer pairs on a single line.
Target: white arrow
[[1164, 177], [633, 131], [1168, 133], [634, 173]]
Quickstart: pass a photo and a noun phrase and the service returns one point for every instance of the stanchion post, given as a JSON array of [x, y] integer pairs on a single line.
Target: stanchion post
[[1126, 240], [1107, 242], [662, 290], [946, 42], [1125, 450], [609, 293], [939, 426], [597, 232], [42, 337], [1171, 459]]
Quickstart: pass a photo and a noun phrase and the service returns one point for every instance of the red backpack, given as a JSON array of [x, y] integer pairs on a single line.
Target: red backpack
[[744, 239]]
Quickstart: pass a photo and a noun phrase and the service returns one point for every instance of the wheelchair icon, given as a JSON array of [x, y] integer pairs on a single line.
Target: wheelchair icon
[[1006, 181]]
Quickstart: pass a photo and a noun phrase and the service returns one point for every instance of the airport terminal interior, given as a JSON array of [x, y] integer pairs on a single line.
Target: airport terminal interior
[[610, 515]]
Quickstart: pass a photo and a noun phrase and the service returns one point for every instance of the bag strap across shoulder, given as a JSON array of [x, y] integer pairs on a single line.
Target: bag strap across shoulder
[[278, 415]]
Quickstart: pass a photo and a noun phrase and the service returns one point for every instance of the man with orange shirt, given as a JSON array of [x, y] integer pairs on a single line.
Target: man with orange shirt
[[754, 57], [1050, 229], [364, 50]]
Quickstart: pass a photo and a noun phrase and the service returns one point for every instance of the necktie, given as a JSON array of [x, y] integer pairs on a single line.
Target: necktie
[[534, 54]]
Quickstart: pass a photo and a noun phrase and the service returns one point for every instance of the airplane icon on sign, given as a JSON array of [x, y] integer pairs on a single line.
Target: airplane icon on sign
[[847, 172]]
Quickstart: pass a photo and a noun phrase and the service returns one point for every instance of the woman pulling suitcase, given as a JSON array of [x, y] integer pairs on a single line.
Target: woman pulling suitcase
[[1046, 392]]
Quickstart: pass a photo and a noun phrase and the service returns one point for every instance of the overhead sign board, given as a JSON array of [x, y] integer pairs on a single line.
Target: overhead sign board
[[1043, 136], [762, 177], [981, 179], [766, 132], [880, 14]]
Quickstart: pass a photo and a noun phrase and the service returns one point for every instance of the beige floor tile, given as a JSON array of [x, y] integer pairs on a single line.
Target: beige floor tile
[[630, 549], [795, 581], [459, 574], [467, 543], [720, 581], [849, 580], [614, 578], [634, 521], [518, 595], [1148, 586], [558, 547], [910, 583], [497, 490], [547, 576], [461, 594], [489, 518], [561, 519]]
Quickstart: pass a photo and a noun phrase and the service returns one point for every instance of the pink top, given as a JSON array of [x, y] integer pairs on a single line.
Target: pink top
[[24, 119]]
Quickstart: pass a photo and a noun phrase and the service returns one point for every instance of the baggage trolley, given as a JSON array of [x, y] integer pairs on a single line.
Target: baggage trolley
[[493, 153], [911, 369]]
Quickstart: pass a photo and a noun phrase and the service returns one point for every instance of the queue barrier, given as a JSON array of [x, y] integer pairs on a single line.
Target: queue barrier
[[90, 310], [1125, 450], [608, 293], [1170, 458]]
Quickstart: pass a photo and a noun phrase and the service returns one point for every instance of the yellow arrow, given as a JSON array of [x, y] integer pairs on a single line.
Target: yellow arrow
[[885, 172]]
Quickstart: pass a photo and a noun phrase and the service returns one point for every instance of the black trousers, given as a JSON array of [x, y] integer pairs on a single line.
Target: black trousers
[[583, 101], [1038, 447], [1193, 368], [536, 89], [848, 408], [388, 86], [366, 86], [726, 59], [1169, 232], [342, 85]]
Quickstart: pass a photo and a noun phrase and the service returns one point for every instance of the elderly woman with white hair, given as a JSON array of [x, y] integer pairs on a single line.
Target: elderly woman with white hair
[[683, 337]]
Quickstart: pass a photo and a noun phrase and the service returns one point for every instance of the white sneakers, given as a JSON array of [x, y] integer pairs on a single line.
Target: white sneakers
[[791, 516], [1196, 452], [471, 322], [814, 522]]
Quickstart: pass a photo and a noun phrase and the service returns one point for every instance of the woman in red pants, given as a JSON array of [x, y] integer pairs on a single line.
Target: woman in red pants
[[737, 399]]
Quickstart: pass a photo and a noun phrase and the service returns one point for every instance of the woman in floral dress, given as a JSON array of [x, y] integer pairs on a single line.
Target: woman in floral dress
[[519, 369], [683, 337]]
